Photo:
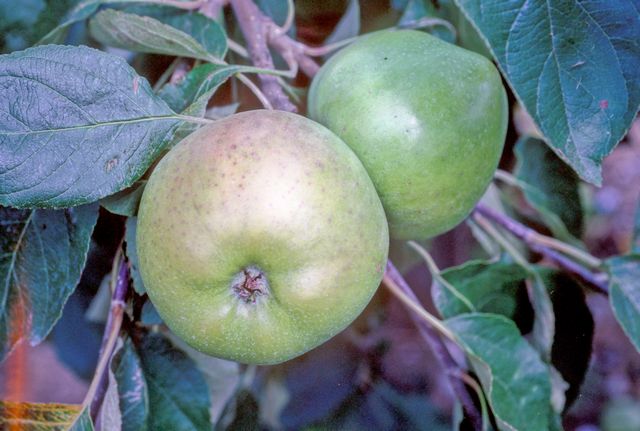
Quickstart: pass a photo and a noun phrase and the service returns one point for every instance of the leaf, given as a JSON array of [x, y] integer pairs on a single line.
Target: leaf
[[110, 415], [23, 23], [132, 254], [277, 10], [80, 12], [348, 26], [76, 125], [149, 315], [178, 394], [573, 335], [198, 86], [246, 417], [550, 187], [624, 294], [125, 202], [206, 31], [544, 321], [512, 374], [42, 254], [132, 391], [222, 376], [574, 64], [43, 417], [145, 34], [490, 287]]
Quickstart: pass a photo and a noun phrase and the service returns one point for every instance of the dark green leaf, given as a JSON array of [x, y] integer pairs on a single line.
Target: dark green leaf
[[42, 254], [550, 186], [132, 254], [76, 125], [206, 31], [571, 350], [178, 394], [145, 34], [22, 23], [125, 202], [574, 64], [246, 417], [490, 287], [132, 388], [194, 91], [43, 417], [149, 314], [416, 10], [80, 12], [624, 294], [277, 10], [512, 374]]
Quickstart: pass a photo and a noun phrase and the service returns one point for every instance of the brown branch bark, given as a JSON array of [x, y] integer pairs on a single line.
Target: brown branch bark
[[597, 281], [438, 347], [255, 28]]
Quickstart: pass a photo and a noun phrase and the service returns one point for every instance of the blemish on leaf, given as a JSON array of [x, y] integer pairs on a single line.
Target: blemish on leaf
[[604, 104], [111, 163], [136, 85]]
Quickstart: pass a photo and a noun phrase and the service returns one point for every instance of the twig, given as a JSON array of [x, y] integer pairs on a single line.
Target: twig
[[530, 236], [429, 331], [253, 26], [97, 389], [549, 248]]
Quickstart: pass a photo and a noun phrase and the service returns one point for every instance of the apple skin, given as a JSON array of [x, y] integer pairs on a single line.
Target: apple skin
[[426, 118], [278, 197]]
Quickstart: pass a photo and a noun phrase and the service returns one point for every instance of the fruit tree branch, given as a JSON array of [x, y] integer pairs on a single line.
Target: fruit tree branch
[[550, 248], [394, 280], [97, 390], [254, 26]]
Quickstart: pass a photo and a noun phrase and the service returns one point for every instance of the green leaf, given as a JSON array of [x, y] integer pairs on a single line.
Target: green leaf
[[575, 65], [544, 320], [42, 254], [198, 86], [125, 202], [43, 417], [277, 10], [512, 374], [76, 125], [624, 294], [132, 387], [206, 31], [490, 287], [22, 23], [550, 186], [132, 254], [145, 34], [178, 394], [80, 12]]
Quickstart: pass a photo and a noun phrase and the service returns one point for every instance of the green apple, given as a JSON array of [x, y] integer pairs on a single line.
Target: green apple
[[426, 118], [260, 236]]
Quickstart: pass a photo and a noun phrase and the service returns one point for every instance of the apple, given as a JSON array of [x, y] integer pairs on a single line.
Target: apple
[[426, 118], [260, 236]]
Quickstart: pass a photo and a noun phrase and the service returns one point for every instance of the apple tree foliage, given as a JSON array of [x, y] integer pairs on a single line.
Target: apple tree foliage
[[81, 127]]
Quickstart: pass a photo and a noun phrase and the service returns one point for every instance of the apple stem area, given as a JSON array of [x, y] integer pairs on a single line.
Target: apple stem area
[[250, 284]]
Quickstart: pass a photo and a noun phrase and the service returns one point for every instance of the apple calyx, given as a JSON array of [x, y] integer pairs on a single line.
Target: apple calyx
[[250, 284]]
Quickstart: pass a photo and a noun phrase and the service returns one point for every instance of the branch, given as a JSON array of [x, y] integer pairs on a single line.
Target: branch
[[255, 28], [98, 388], [550, 247], [399, 287]]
